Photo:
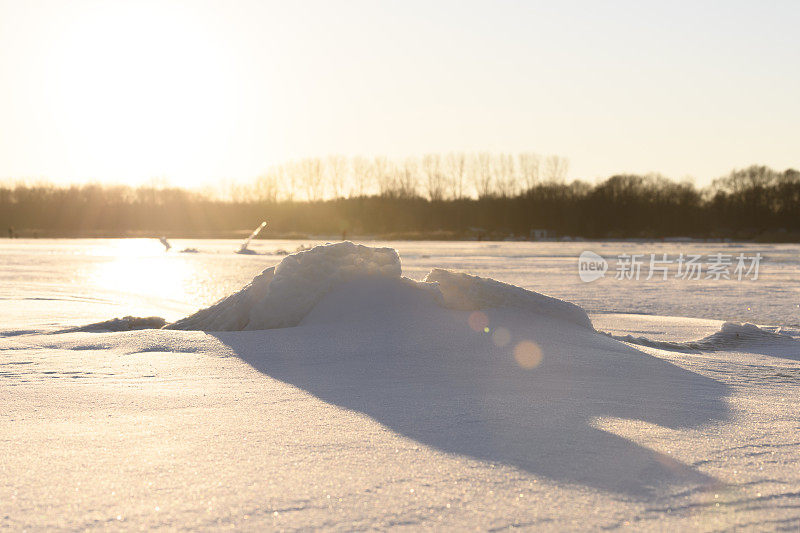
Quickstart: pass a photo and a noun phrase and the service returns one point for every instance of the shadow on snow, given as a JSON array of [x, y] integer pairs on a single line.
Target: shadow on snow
[[451, 388]]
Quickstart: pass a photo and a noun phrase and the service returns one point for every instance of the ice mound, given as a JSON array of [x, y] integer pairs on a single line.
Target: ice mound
[[732, 336], [284, 295]]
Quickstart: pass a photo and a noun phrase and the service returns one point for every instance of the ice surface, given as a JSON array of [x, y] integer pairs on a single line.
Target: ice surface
[[458, 403], [137, 277]]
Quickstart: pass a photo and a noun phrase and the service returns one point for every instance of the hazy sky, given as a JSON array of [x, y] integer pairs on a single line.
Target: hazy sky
[[196, 91]]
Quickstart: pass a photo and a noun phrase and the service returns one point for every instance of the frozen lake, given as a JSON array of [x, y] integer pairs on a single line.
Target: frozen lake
[[56, 279], [361, 400]]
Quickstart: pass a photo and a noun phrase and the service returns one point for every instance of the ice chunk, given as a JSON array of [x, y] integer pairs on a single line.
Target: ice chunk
[[302, 279], [282, 296]]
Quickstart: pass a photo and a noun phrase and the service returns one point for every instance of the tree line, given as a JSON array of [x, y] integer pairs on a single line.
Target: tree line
[[451, 196], [436, 177]]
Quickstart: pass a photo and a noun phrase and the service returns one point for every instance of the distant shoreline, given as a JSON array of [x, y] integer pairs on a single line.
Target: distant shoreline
[[755, 204], [32, 235]]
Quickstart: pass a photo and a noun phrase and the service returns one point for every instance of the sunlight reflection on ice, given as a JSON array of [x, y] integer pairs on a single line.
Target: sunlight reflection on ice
[[127, 248], [141, 267]]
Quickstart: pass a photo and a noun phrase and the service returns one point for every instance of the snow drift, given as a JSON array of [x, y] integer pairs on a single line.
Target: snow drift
[[732, 336], [128, 323], [282, 296]]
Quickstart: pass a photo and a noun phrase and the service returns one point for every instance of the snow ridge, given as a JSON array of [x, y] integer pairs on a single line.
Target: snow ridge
[[467, 292], [730, 337]]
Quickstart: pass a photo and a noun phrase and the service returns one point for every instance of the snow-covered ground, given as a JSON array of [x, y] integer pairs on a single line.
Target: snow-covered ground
[[456, 403]]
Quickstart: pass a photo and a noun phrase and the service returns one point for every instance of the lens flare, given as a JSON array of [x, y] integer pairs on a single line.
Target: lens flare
[[501, 337], [479, 322], [528, 354]]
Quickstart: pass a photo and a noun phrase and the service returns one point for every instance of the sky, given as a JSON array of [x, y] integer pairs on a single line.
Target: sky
[[200, 91]]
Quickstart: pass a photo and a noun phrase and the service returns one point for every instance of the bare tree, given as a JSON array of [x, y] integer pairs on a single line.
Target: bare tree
[[311, 177], [266, 186], [439, 176], [336, 170], [482, 174], [383, 175], [361, 176], [505, 178], [435, 181], [528, 164], [233, 191], [456, 168], [288, 174], [555, 168], [407, 178]]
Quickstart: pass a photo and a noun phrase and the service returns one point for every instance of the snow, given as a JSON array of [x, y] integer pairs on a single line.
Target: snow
[[282, 296], [464, 291], [127, 323], [731, 336], [334, 393], [232, 312]]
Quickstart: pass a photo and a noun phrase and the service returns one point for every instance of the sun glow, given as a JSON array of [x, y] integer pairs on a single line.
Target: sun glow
[[139, 272], [142, 91], [208, 91]]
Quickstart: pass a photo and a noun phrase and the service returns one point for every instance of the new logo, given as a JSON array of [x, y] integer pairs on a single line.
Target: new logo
[[591, 266]]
